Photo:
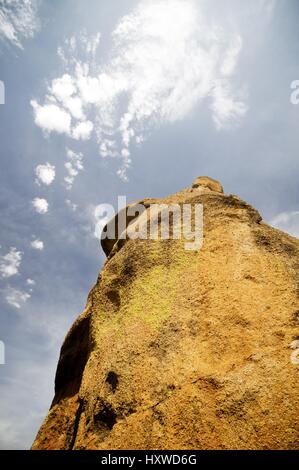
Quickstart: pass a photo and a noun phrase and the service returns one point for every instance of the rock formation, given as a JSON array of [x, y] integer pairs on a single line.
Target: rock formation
[[185, 349]]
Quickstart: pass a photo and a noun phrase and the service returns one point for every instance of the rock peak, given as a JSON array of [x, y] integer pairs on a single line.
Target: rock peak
[[207, 182], [185, 349]]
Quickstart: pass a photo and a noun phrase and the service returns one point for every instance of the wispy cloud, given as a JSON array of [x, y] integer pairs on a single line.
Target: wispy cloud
[[167, 58], [71, 205], [73, 165], [16, 297], [10, 263], [18, 20], [288, 222]]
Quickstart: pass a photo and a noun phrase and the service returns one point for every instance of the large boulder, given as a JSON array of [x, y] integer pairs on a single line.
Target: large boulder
[[186, 349]]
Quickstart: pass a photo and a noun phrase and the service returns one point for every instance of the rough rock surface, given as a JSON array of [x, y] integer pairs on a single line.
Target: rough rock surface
[[181, 349]]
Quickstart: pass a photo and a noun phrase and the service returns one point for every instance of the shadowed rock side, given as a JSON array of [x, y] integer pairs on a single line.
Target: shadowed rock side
[[181, 349]]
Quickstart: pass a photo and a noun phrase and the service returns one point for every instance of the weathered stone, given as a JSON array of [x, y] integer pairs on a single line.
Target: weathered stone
[[186, 349], [206, 182]]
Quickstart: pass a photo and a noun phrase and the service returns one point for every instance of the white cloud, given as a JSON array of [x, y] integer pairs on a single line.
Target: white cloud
[[82, 43], [226, 109], [231, 58], [63, 88], [30, 282], [18, 20], [45, 174], [16, 297], [82, 130], [73, 166], [10, 263], [287, 222], [40, 205], [51, 118], [92, 44], [75, 107], [37, 244], [167, 58]]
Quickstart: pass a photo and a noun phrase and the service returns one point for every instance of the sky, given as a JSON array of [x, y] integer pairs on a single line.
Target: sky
[[134, 98]]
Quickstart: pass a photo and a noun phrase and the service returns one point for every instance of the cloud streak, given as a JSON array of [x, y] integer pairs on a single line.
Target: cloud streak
[[18, 21], [10, 263], [15, 297]]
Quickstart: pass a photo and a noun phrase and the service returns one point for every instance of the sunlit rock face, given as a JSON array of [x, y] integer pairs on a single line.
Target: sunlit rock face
[[206, 182], [185, 349]]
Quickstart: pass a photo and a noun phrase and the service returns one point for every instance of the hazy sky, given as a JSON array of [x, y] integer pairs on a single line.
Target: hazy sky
[[132, 98]]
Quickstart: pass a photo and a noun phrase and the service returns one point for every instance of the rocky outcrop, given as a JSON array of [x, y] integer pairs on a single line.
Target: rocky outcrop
[[185, 349]]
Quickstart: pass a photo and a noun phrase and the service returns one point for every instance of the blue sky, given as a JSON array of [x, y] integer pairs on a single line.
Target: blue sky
[[132, 98]]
